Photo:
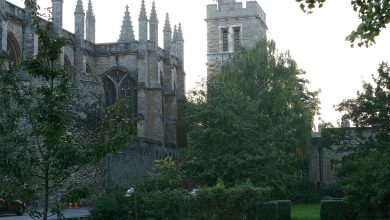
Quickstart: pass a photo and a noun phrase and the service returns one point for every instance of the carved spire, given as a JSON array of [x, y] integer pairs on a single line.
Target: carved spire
[[90, 10], [2, 7], [79, 7], [90, 23], [142, 14], [127, 33], [174, 36], [153, 14], [180, 34], [167, 25]]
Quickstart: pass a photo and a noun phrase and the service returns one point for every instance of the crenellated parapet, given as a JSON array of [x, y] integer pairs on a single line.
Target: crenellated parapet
[[232, 9], [229, 24]]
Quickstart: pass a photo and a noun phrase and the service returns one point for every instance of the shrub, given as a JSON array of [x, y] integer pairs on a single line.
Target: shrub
[[284, 209], [241, 202], [305, 191], [238, 202], [112, 206], [167, 204], [332, 209], [268, 211]]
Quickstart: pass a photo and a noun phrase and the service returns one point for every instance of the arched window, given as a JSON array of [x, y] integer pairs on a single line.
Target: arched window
[[13, 49], [119, 85], [88, 69], [67, 62]]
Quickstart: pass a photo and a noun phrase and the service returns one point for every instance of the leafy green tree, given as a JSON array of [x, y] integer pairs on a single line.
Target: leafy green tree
[[365, 173], [252, 121], [42, 144], [374, 16]]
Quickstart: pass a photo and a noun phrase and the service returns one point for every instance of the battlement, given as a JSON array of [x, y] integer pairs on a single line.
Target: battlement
[[235, 10], [14, 11]]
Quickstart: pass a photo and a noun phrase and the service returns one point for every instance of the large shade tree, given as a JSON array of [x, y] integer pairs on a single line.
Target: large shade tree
[[251, 121], [365, 173]]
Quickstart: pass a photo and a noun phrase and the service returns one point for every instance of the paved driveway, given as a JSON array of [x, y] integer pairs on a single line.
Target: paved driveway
[[69, 213]]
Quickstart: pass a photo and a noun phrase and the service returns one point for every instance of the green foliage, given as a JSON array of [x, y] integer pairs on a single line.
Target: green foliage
[[208, 203], [238, 202], [74, 195], [42, 143], [365, 181], [332, 210], [112, 206], [364, 174], [268, 211], [251, 122], [169, 204], [374, 16], [165, 174], [284, 209], [305, 191]]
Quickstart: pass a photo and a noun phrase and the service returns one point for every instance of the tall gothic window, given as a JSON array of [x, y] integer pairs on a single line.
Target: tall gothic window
[[119, 85], [237, 35], [13, 49], [225, 39]]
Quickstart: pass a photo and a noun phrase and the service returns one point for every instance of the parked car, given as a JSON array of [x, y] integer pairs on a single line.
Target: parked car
[[129, 192], [14, 207]]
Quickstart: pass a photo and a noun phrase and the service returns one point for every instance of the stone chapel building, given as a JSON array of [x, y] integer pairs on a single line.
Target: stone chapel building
[[105, 72]]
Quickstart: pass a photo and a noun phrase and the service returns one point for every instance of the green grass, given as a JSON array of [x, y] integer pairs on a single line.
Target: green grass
[[305, 212]]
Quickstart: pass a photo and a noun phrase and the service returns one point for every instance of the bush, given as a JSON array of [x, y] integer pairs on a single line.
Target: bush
[[112, 206], [167, 204], [241, 202], [284, 209], [268, 211], [305, 191], [238, 202], [332, 209]]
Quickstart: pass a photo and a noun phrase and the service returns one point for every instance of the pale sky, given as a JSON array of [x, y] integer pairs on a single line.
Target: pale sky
[[315, 41]]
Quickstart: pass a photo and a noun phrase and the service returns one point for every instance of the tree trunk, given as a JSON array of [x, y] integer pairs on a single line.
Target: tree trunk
[[46, 207]]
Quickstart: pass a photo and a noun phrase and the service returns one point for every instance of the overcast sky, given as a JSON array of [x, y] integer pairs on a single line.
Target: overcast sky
[[315, 41]]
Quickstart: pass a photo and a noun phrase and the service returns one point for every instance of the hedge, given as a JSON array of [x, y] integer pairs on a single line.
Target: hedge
[[284, 209], [332, 209], [112, 206], [241, 202], [268, 211]]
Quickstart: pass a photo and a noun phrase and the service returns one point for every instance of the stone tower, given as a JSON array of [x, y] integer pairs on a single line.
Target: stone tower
[[228, 24]]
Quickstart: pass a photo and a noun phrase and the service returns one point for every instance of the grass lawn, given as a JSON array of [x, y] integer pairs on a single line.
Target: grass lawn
[[305, 212]]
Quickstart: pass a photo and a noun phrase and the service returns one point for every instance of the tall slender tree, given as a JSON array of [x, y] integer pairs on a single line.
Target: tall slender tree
[[42, 144]]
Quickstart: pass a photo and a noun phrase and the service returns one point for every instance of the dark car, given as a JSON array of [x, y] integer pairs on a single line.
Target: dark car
[[13, 207]]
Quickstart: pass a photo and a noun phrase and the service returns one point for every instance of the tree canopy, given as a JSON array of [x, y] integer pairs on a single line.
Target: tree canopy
[[365, 172], [374, 16], [251, 121]]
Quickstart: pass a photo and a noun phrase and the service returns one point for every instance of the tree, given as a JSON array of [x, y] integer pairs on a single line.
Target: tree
[[250, 121], [42, 143], [374, 16], [365, 173]]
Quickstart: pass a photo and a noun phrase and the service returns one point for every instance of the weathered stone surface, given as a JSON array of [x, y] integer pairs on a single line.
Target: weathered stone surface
[[228, 14], [141, 61]]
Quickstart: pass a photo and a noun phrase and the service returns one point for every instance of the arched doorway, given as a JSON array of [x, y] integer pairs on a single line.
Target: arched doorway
[[13, 49]]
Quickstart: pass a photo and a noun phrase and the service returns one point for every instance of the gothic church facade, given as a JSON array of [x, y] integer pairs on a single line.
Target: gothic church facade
[[105, 72]]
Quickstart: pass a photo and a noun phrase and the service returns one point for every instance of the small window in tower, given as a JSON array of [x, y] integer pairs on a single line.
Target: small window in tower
[[225, 40], [237, 35]]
